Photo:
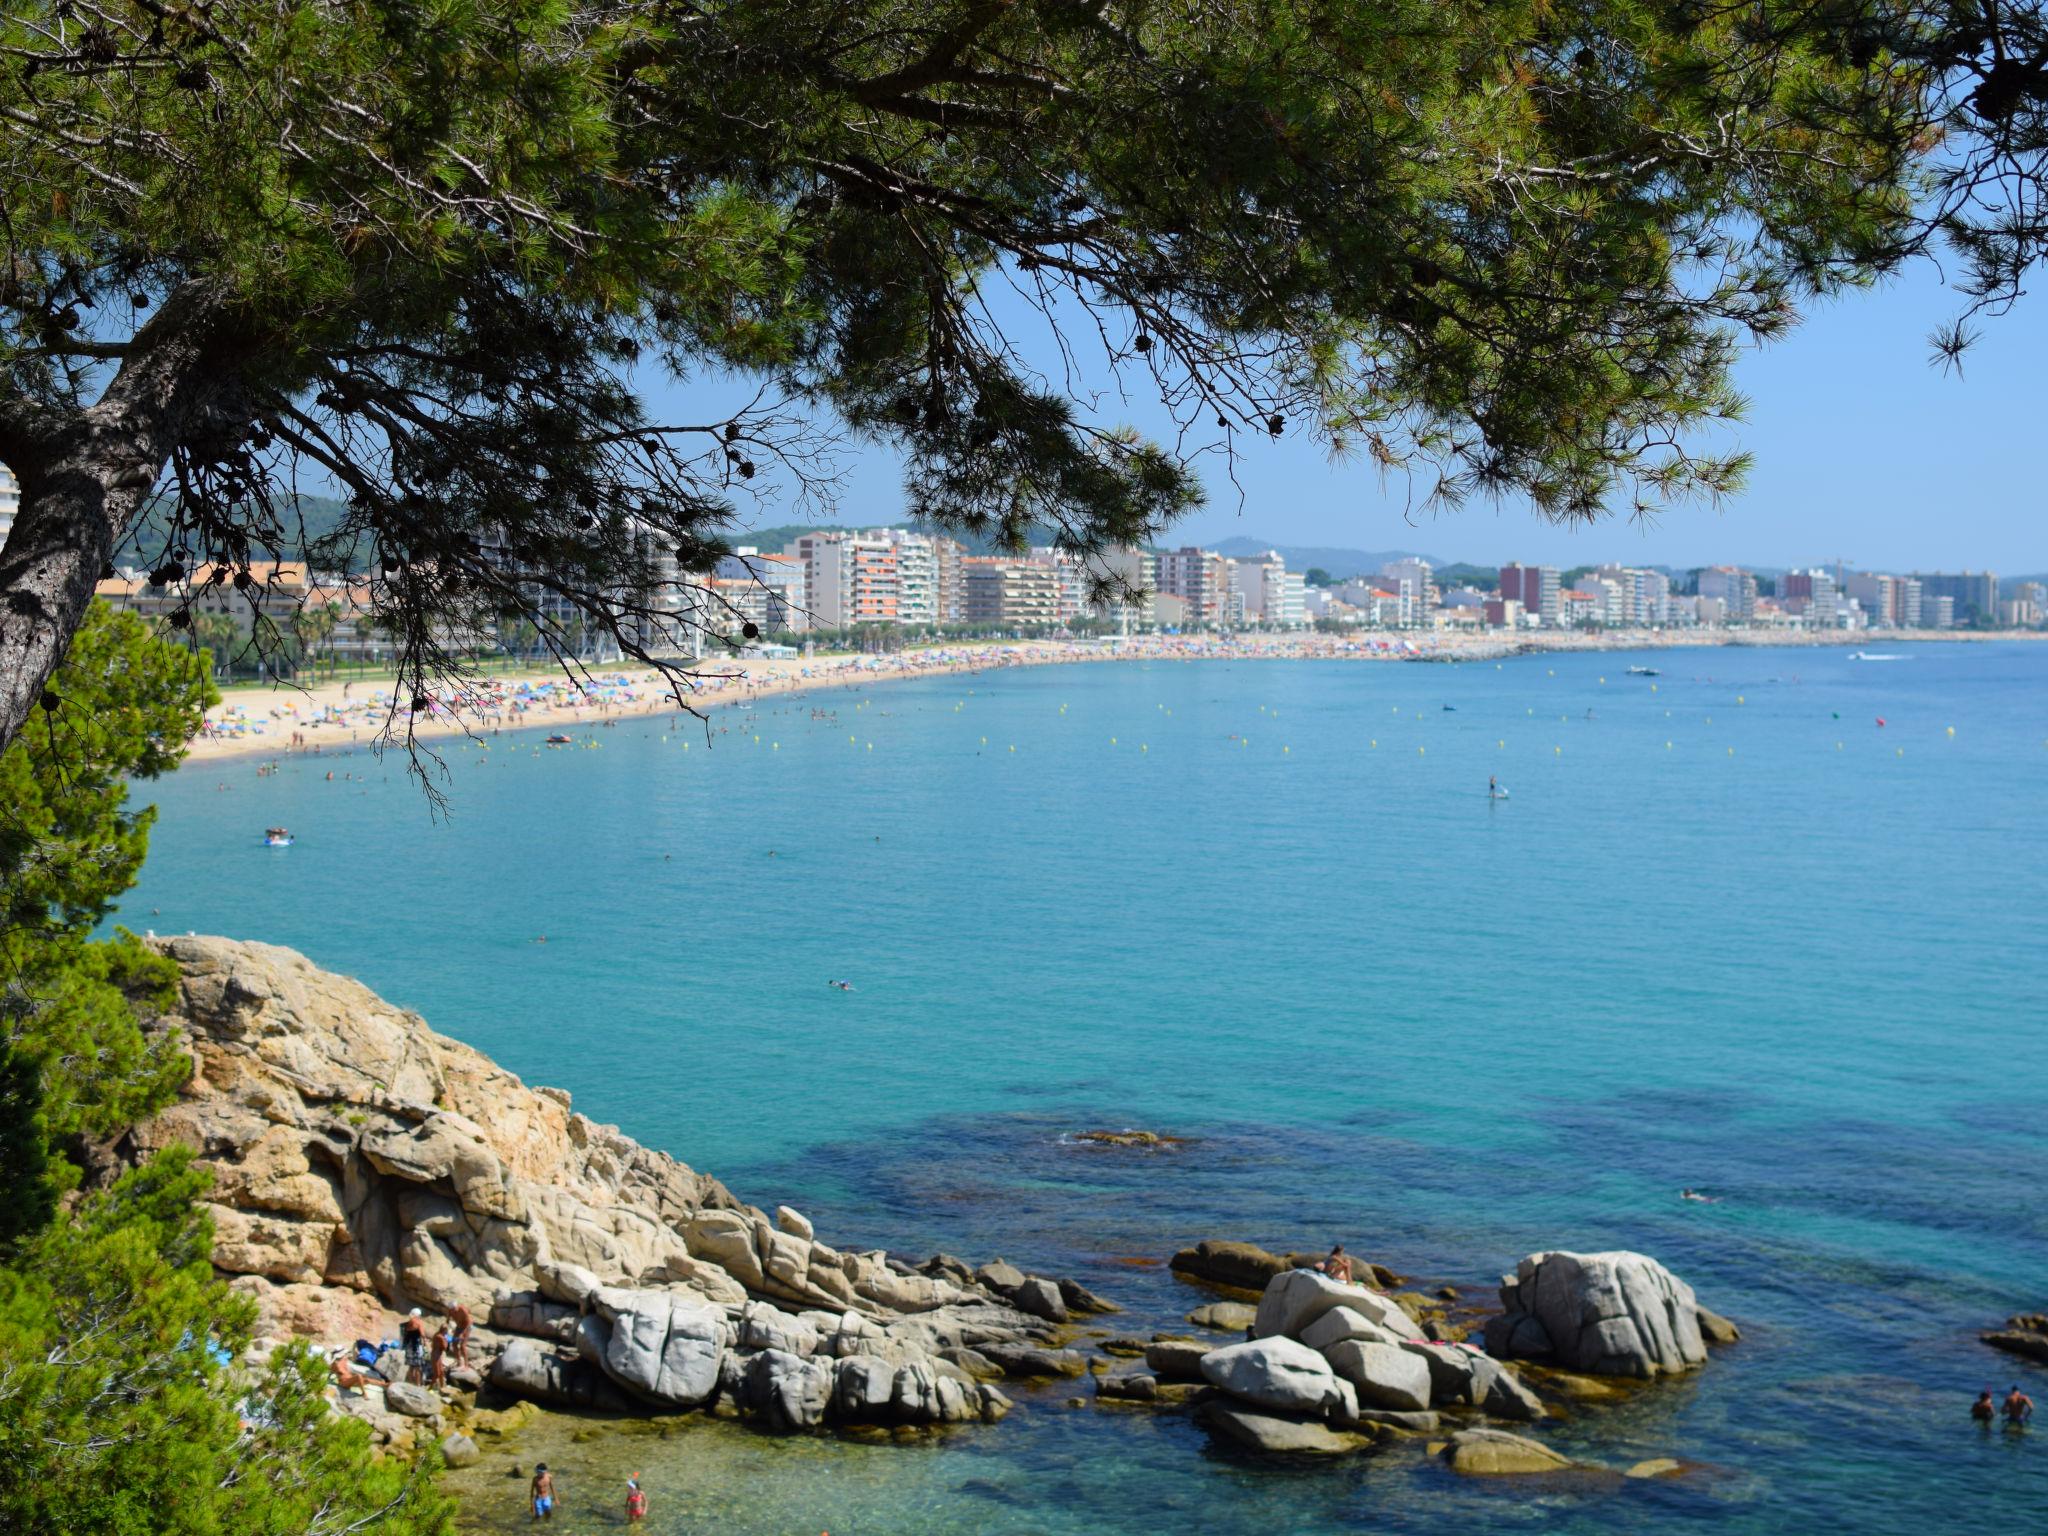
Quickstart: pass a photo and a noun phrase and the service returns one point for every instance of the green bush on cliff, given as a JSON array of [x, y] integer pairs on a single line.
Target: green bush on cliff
[[120, 1414], [121, 1410], [74, 1062]]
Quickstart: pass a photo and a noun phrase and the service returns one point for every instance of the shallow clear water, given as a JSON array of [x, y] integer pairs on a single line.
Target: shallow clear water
[[1791, 957]]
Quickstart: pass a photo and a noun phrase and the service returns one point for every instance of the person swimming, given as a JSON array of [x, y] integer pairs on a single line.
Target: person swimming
[[844, 986], [1698, 1198]]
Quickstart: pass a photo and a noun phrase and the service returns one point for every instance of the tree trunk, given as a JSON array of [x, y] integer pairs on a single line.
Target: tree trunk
[[83, 476]]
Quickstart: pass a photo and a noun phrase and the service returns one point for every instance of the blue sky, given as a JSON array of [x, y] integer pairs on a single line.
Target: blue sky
[[1864, 452]]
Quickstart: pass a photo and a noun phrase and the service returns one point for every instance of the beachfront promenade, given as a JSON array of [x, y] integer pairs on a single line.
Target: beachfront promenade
[[343, 715]]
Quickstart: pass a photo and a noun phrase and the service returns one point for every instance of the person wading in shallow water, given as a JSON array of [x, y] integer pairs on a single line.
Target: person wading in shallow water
[[1984, 1410], [2019, 1408], [636, 1501]]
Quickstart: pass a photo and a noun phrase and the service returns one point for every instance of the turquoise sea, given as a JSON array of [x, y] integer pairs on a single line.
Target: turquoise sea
[[1729, 932]]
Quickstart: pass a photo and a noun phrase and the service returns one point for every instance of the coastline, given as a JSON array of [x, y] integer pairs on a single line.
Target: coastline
[[335, 718]]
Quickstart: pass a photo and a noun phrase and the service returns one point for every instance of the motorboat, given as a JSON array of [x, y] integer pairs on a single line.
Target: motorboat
[[277, 837], [1644, 672], [559, 740]]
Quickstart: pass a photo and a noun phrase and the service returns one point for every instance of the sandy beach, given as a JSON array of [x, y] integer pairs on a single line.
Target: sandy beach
[[341, 717]]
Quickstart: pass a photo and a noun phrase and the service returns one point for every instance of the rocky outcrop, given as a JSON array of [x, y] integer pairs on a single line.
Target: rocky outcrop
[[1336, 1356], [2025, 1336], [362, 1162], [1604, 1314]]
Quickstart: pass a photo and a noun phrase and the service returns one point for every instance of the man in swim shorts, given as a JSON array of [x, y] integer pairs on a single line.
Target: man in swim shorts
[[543, 1493]]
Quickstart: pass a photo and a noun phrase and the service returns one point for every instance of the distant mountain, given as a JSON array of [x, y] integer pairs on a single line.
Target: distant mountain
[[319, 515], [1306, 557]]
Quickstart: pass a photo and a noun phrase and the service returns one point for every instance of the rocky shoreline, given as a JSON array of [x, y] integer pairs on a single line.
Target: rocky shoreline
[[364, 1165]]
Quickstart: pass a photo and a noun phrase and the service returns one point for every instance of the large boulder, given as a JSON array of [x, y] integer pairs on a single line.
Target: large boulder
[[863, 1388], [413, 1402], [787, 1390], [1384, 1375], [1299, 1297], [658, 1345], [1274, 1373], [1177, 1359], [525, 1369], [1603, 1314], [1224, 1316], [1040, 1298], [1495, 1452], [1342, 1323], [2025, 1335]]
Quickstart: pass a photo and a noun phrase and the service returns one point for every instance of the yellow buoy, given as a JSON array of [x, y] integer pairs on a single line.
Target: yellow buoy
[[1740, 699], [1951, 730], [774, 746], [1286, 749], [1667, 746], [1421, 751], [1731, 751], [1558, 750], [1112, 741], [1143, 748], [1013, 749], [1502, 743]]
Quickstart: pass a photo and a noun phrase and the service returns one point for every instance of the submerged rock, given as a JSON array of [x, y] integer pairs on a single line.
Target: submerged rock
[[1224, 1316], [1279, 1434], [1243, 1266], [1495, 1453]]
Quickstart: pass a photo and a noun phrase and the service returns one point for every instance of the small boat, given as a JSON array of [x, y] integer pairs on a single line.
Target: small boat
[[560, 741], [277, 837], [1644, 672]]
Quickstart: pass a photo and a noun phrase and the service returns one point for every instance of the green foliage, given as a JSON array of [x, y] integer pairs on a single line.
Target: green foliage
[[123, 705], [117, 1418]]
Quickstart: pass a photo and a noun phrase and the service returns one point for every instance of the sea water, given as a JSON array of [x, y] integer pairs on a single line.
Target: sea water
[[1770, 924]]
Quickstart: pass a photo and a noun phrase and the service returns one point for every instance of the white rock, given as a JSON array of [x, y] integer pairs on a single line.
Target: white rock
[[794, 1223], [1274, 1373], [1299, 1297], [1341, 1323], [1386, 1375], [1607, 1314]]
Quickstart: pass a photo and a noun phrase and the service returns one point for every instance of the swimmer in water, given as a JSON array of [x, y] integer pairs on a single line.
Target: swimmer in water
[[1698, 1198]]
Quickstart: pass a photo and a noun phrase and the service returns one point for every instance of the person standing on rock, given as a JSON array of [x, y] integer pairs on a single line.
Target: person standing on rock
[[460, 1316], [413, 1335], [543, 1493], [438, 1377]]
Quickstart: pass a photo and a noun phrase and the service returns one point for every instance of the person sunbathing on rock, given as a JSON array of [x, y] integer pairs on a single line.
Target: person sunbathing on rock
[[1338, 1265]]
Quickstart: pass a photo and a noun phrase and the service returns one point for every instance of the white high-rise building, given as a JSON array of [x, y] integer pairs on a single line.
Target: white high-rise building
[[10, 501], [1734, 588], [1134, 573], [1415, 582]]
